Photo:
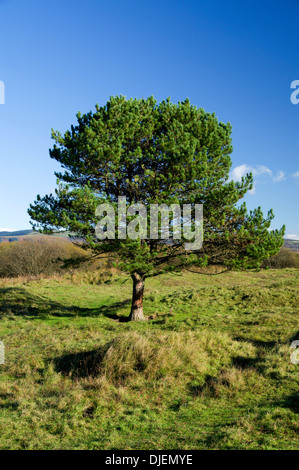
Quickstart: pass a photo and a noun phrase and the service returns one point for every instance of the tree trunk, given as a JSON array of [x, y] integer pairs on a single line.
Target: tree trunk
[[137, 299]]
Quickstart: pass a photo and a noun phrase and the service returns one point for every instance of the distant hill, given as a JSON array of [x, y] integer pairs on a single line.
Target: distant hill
[[25, 235], [15, 234], [292, 244]]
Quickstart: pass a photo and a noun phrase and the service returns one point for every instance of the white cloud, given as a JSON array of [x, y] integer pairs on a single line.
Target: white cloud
[[239, 171], [280, 176], [292, 236], [261, 170], [242, 170], [6, 229], [296, 176]]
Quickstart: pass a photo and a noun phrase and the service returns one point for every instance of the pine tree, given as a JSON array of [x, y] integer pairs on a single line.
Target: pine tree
[[154, 153]]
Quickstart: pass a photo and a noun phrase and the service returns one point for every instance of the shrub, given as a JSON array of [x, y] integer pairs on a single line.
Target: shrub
[[286, 258], [36, 256]]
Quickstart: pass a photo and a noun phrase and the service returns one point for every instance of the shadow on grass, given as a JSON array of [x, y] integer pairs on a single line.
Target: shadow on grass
[[80, 365], [248, 363], [15, 301], [207, 388], [256, 342], [291, 402], [295, 337], [211, 382]]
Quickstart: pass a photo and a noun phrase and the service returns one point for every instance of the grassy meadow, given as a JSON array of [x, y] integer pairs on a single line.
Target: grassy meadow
[[210, 369]]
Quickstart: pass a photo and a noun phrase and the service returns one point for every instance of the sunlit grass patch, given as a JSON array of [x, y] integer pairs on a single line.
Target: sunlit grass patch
[[210, 369]]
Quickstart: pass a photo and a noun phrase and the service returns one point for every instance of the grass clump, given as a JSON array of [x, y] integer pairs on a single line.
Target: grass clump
[[152, 356]]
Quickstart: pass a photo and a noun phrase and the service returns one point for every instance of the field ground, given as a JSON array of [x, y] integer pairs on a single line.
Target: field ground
[[210, 369]]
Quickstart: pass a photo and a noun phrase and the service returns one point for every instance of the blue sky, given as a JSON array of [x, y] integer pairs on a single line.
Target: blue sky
[[234, 58]]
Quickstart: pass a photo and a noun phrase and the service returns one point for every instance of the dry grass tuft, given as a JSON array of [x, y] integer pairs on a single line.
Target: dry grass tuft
[[131, 356]]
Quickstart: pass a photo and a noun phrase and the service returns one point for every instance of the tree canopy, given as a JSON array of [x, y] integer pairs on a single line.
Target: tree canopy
[[154, 153]]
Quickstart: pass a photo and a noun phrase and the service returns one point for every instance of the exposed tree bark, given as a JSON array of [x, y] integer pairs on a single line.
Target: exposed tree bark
[[137, 298]]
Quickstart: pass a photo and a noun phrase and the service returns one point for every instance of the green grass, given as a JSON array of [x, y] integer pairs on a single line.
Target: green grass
[[210, 369]]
